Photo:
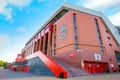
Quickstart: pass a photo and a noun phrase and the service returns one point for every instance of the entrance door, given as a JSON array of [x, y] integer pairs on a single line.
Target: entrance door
[[119, 67], [95, 67]]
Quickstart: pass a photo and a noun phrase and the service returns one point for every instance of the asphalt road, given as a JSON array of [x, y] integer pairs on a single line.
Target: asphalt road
[[6, 74]]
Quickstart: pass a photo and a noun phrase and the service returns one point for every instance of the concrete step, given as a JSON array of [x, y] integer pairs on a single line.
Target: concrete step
[[72, 70]]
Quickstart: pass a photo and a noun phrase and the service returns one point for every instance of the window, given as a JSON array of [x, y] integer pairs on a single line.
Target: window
[[118, 28], [76, 46], [107, 31], [108, 38], [101, 49], [117, 53], [110, 44], [54, 39], [99, 35], [75, 31]]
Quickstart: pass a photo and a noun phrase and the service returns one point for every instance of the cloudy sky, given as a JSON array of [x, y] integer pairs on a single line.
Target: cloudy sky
[[20, 19]]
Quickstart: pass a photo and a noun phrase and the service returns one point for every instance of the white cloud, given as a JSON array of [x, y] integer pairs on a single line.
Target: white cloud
[[109, 7], [104, 4], [19, 3], [115, 19], [4, 41], [21, 29], [11, 46], [10, 53], [7, 11]]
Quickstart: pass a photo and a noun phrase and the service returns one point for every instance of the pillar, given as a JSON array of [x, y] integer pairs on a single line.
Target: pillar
[[49, 42], [44, 41], [40, 44]]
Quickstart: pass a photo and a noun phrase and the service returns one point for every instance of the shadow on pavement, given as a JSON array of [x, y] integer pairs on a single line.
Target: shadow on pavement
[[7, 74]]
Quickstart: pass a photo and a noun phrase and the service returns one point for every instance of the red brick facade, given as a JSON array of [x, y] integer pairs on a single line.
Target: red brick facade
[[86, 36]]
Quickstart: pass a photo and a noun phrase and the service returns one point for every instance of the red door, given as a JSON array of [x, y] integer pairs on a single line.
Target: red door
[[95, 67], [86, 67]]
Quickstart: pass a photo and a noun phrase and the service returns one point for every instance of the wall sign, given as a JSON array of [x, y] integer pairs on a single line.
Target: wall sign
[[112, 65], [63, 31], [97, 57]]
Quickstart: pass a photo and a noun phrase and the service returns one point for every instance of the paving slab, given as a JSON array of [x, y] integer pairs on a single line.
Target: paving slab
[[9, 75]]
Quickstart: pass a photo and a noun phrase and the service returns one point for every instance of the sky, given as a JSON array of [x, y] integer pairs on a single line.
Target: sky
[[20, 19]]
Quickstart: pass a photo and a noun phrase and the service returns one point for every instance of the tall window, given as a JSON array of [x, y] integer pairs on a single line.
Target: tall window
[[99, 36], [117, 56], [55, 39], [75, 31], [118, 28]]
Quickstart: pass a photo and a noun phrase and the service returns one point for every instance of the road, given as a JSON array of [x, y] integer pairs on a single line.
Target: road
[[9, 75]]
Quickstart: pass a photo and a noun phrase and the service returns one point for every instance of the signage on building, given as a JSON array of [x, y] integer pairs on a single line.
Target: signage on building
[[112, 65], [19, 56], [97, 57], [63, 31]]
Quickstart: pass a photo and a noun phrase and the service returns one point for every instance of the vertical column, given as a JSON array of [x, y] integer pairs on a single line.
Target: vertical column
[[54, 40], [25, 53], [49, 41], [31, 49], [34, 47], [37, 44], [40, 44], [44, 41]]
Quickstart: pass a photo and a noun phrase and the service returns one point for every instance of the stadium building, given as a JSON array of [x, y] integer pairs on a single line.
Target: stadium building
[[75, 41]]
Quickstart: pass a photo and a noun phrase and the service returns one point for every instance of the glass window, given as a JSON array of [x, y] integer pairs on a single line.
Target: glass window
[[54, 39], [99, 36], [108, 38], [75, 31], [107, 31], [117, 55], [110, 44]]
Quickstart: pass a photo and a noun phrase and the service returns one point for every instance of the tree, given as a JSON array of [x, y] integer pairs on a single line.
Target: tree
[[2, 63]]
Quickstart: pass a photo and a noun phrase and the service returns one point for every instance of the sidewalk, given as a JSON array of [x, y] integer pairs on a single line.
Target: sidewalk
[[9, 75]]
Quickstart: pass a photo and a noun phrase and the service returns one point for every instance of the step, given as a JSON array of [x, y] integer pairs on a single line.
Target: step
[[72, 70]]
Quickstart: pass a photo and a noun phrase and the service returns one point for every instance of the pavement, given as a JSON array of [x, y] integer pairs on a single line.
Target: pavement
[[6, 74]]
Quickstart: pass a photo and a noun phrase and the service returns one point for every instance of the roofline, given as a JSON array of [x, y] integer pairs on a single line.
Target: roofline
[[67, 6]]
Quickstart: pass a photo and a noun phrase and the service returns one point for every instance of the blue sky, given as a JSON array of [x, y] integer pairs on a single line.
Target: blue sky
[[20, 19]]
